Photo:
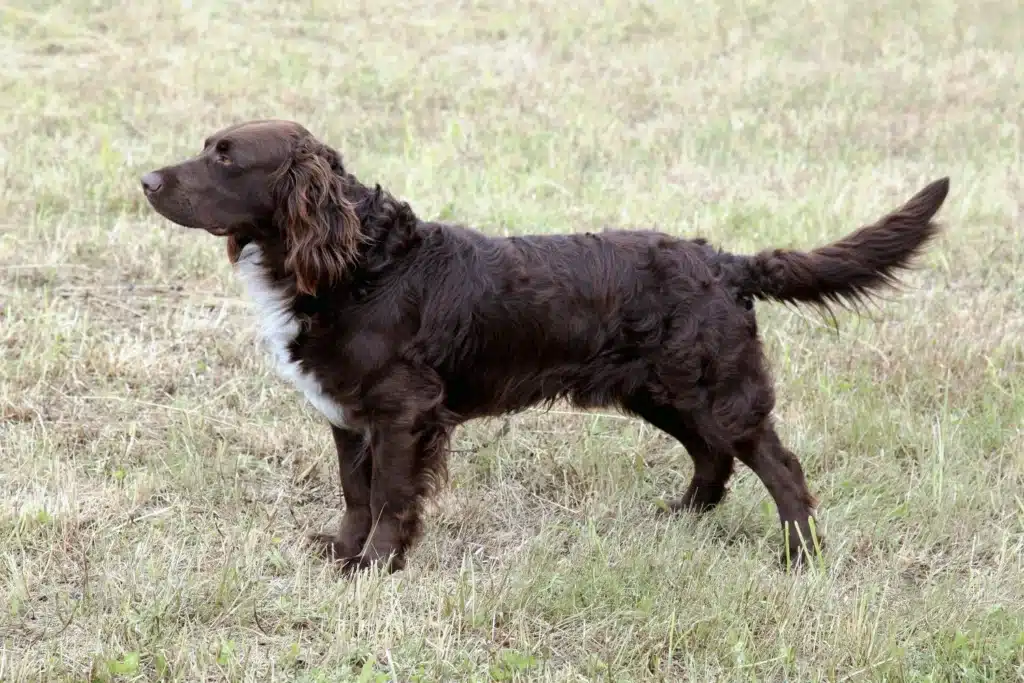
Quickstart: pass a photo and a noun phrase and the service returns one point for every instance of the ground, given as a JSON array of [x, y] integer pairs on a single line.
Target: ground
[[157, 480]]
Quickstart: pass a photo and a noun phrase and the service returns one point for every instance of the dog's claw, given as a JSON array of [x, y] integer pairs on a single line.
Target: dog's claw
[[335, 548]]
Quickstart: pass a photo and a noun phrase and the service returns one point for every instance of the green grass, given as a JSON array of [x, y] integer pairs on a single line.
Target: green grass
[[157, 481]]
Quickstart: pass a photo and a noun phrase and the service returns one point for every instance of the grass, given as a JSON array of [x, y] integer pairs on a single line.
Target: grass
[[156, 481]]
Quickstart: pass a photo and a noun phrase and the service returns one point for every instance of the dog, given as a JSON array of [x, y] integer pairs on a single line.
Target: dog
[[398, 329]]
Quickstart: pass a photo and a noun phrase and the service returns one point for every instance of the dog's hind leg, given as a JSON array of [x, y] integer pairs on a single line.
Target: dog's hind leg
[[711, 467], [777, 467], [780, 471], [733, 420], [737, 420]]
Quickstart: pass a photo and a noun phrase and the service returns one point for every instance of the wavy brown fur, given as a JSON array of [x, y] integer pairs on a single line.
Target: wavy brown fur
[[324, 234], [850, 270], [401, 329]]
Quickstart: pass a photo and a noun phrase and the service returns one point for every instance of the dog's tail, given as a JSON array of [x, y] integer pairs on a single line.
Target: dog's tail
[[847, 271]]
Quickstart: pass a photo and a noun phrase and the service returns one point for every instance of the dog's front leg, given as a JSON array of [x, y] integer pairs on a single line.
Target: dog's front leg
[[407, 449], [355, 468], [394, 501]]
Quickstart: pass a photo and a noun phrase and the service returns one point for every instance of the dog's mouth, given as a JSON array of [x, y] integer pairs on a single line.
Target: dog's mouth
[[173, 212], [186, 218]]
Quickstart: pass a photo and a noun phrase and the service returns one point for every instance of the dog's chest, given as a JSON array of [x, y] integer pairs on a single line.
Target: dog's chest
[[279, 328]]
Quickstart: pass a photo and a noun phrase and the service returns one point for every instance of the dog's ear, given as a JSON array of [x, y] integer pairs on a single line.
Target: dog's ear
[[320, 227]]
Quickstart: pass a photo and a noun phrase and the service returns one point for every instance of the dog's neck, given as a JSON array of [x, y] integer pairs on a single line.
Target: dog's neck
[[263, 261], [272, 246], [387, 223], [265, 255]]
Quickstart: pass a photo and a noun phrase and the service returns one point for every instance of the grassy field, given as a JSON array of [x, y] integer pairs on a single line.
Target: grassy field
[[157, 481]]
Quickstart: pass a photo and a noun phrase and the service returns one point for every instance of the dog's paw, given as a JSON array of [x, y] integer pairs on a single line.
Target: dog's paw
[[335, 547], [799, 555], [371, 561], [695, 500]]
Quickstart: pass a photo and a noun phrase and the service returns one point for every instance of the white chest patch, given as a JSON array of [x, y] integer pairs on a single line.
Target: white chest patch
[[279, 328]]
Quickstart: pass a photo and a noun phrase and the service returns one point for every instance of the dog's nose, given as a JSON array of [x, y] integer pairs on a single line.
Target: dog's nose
[[151, 182]]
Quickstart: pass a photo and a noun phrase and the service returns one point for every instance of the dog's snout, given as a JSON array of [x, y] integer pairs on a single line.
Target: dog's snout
[[151, 182]]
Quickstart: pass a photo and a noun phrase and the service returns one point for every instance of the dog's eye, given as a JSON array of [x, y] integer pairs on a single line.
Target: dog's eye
[[222, 149]]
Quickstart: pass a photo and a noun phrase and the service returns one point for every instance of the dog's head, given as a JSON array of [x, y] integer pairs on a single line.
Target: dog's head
[[266, 181]]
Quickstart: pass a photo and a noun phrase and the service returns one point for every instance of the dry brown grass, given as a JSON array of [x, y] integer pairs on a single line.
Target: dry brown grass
[[156, 480]]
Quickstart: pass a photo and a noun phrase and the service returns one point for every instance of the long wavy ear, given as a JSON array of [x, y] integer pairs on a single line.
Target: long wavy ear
[[321, 230]]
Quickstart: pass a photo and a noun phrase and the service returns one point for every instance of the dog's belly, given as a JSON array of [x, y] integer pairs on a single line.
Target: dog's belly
[[278, 329]]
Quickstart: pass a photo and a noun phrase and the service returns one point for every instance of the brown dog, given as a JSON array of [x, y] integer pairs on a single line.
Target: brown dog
[[397, 329]]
